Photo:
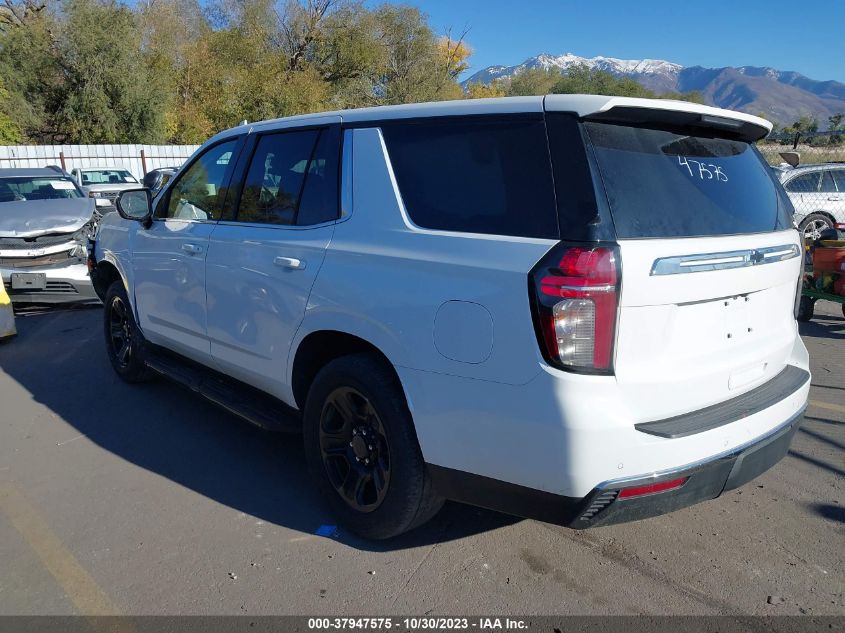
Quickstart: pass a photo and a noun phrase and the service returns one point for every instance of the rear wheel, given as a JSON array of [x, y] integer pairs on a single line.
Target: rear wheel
[[805, 309], [362, 450], [813, 225], [124, 341]]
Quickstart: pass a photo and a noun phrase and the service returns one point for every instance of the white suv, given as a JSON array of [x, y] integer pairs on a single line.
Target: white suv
[[573, 308]]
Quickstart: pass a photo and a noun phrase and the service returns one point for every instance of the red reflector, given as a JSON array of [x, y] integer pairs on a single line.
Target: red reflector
[[663, 486], [840, 226]]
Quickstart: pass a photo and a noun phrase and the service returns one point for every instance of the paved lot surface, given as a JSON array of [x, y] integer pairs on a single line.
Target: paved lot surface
[[148, 500]]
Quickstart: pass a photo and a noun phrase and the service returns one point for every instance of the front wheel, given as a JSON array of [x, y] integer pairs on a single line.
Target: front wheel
[[124, 341], [362, 449]]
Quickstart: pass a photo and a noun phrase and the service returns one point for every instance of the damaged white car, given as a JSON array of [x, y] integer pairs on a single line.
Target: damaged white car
[[45, 222]]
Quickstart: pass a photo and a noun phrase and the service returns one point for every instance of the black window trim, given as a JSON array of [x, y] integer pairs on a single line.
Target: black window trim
[[163, 202], [245, 160]]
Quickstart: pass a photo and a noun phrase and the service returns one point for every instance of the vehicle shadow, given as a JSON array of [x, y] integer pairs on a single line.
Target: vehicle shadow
[[61, 360], [829, 511], [824, 326]]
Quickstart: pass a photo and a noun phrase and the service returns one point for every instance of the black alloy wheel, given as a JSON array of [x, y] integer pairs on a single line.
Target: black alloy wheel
[[121, 334], [355, 449], [124, 342]]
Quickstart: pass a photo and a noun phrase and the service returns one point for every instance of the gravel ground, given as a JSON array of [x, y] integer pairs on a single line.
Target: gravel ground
[[148, 500]]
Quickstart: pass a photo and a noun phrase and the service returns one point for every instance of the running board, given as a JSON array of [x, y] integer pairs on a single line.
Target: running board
[[247, 402]]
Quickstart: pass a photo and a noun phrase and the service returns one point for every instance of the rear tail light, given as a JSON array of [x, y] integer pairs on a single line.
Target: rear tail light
[[650, 489], [575, 296]]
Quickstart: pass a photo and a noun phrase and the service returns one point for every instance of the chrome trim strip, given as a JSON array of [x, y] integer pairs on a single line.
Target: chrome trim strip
[[704, 262], [585, 288], [616, 483]]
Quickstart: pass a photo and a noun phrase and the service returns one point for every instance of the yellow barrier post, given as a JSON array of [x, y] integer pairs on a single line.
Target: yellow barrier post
[[7, 315]]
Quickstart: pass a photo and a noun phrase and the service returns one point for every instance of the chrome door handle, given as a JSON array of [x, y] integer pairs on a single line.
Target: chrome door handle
[[834, 198], [290, 262], [193, 249]]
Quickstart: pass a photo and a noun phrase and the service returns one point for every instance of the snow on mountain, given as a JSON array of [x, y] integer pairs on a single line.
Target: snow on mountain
[[782, 96], [658, 68]]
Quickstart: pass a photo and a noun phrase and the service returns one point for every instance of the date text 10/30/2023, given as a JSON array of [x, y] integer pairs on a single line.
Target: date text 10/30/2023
[[418, 623]]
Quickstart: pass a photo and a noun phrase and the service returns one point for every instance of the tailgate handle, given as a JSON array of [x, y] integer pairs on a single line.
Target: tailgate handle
[[702, 262]]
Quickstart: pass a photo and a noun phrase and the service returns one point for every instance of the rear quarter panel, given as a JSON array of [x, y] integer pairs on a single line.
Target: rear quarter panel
[[387, 281]]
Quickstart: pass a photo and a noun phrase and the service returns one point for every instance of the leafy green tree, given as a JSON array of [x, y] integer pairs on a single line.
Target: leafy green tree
[[111, 95], [835, 126], [10, 131], [532, 82], [803, 129], [31, 70], [95, 71], [485, 91]]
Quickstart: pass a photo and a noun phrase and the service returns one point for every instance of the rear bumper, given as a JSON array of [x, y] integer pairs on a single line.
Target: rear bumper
[[64, 284], [705, 481], [602, 506]]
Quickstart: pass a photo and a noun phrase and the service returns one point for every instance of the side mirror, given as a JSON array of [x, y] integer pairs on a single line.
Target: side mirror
[[135, 204]]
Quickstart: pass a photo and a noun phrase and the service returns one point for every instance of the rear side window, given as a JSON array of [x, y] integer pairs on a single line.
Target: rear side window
[[805, 183], [663, 184], [827, 183], [475, 175], [276, 174]]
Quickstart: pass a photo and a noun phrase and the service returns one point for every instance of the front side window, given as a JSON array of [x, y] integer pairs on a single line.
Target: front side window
[[19, 189], [200, 192], [805, 183], [107, 177], [665, 184], [274, 181], [476, 175]]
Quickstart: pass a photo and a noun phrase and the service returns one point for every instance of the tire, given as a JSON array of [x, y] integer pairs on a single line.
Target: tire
[[812, 226], [124, 342], [843, 309], [805, 309], [358, 433]]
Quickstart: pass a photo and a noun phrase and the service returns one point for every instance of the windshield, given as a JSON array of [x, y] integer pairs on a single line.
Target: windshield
[[43, 188], [668, 184], [106, 177]]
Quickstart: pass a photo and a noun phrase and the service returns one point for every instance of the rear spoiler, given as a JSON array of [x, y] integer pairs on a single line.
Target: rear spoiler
[[661, 112]]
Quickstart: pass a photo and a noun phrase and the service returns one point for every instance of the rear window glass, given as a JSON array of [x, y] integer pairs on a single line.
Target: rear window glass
[[107, 177], [475, 175], [667, 184]]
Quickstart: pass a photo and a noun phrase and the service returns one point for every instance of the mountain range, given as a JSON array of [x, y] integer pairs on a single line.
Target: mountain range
[[782, 96]]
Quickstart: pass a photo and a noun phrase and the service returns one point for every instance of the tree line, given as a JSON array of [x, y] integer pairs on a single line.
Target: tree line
[[177, 71]]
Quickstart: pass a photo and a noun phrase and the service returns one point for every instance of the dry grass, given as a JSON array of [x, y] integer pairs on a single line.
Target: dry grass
[[809, 154]]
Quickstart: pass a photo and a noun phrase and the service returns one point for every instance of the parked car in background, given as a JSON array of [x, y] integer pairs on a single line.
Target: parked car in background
[[104, 183], [817, 191], [576, 308], [45, 223], [156, 179]]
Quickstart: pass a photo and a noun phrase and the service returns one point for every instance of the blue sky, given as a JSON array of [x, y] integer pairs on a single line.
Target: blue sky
[[711, 33]]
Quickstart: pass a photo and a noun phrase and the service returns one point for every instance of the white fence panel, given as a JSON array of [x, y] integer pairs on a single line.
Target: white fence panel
[[138, 159]]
